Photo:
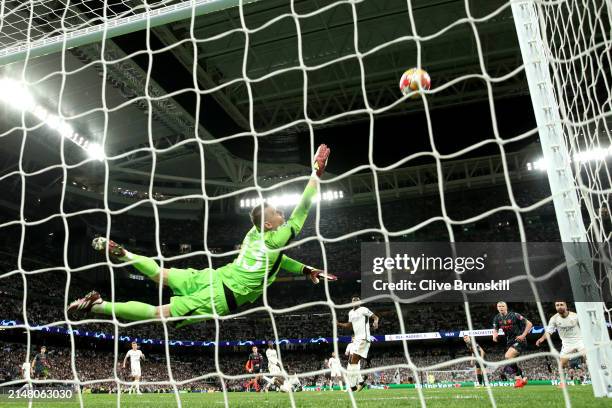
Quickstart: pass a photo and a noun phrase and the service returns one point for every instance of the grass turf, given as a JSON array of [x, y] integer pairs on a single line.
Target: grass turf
[[535, 396]]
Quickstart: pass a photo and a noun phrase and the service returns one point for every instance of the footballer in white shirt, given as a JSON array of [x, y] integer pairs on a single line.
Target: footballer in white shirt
[[359, 320], [336, 371], [135, 355], [25, 373], [274, 368], [566, 324]]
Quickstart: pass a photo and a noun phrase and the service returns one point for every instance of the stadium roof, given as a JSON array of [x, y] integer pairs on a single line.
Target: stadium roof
[[384, 37]]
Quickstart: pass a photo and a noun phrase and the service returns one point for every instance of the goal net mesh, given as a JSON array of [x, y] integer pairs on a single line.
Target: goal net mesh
[[577, 42], [577, 39]]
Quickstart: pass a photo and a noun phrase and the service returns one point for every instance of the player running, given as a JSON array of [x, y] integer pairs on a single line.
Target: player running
[[40, 364], [233, 285], [254, 365], [135, 356], [336, 371], [359, 321], [480, 352], [566, 324], [515, 328]]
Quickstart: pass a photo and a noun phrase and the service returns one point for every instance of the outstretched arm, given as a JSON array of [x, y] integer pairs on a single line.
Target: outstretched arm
[[548, 330], [293, 266], [293, 226]]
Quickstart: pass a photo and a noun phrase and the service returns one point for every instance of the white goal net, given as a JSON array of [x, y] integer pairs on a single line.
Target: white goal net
[[123, 116]]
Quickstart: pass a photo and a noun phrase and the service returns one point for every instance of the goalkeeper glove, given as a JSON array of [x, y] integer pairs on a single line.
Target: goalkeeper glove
[[320, 159], [315, 274]]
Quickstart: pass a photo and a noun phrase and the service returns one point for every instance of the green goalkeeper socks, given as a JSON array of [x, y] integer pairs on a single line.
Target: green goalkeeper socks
[[126, 310], [147, 266]]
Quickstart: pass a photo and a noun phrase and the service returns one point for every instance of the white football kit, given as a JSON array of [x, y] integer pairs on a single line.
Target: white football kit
[[26, 370], [135, 356], [273, 363], [349, 349], [334, 365], [569, 332], [360, 319]]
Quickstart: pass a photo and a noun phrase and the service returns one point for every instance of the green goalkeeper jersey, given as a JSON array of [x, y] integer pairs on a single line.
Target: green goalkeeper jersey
[[261, 255]]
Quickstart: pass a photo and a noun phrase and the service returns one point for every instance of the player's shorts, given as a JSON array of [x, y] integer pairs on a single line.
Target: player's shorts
[[336, 373], [570, 347], [517, 345], [135, 372], [41, 372], [361, 348], [274, 369], [197, 291], [256, 370]]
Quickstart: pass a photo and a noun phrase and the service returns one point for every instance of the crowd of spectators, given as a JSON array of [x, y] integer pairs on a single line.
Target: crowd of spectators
[[101, 370], [46, 296]]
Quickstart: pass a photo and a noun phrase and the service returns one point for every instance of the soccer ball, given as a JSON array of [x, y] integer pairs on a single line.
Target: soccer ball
[[411, 79]]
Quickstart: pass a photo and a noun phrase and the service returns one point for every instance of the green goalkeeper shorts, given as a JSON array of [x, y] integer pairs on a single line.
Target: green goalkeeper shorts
[[197, 291]]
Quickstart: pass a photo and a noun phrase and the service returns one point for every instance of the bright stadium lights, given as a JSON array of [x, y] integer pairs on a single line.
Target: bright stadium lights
[[539, 164], [287, 200], [95, 151], [595, 154], [284, 200], [17, 96]]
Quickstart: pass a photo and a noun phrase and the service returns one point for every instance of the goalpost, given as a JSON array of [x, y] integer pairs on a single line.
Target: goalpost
[[565, 119], [19, 39], [566, 48]]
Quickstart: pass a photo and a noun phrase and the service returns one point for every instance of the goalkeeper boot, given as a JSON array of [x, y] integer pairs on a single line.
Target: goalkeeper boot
[[114, 250], [85, 303]]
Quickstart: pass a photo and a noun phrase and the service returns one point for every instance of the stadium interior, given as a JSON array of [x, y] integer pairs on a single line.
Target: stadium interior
[[167, 155]]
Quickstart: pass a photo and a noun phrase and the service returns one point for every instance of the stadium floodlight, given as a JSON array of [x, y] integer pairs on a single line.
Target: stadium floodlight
[[291, 199], [589, 155], [95, 151], [596, 154], [284, 200], [16, 95]]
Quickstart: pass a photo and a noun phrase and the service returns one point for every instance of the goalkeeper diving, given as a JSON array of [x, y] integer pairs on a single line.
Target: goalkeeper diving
[[199, 294]]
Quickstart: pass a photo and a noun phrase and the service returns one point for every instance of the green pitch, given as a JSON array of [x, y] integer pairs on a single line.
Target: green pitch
[[535, 396]]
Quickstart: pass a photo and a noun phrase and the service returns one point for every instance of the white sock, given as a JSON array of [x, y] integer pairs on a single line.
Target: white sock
[[353, 375]]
